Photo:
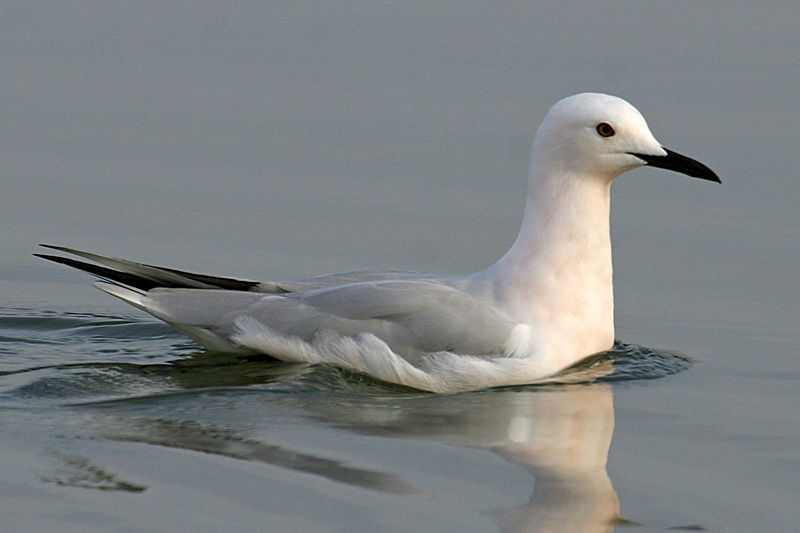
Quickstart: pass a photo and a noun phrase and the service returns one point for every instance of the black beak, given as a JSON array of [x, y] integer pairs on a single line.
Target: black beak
[[680, 163]]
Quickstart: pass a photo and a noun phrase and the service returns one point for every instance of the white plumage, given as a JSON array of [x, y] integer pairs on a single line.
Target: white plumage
[[543, 306]]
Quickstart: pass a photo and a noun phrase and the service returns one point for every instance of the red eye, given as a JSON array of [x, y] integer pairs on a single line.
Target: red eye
[[604, 129]]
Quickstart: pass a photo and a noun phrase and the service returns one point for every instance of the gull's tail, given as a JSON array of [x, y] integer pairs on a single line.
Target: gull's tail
[[196, 304]]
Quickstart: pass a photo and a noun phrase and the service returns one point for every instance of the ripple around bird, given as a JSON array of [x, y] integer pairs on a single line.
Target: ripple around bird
[[77, 357]]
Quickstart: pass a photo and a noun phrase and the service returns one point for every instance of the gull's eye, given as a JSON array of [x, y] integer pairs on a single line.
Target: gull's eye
[[604, 129]]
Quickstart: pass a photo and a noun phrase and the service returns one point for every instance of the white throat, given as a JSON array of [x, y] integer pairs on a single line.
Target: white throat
[[557, 276]]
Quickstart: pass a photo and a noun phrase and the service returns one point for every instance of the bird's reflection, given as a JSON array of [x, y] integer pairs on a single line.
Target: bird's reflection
[[559, 433], [563, 441]]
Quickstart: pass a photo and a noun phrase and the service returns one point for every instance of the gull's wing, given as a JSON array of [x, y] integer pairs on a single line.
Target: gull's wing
[[146, 277], [346, 278], [413, 317], [412, 312]]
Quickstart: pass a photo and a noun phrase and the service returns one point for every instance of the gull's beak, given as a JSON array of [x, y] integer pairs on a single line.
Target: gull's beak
[[680, 163]]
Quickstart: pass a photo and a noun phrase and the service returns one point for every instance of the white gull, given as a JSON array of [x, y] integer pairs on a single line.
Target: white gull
[[543, 306]]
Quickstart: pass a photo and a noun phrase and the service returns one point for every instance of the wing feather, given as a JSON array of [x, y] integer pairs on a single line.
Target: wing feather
[[412, 312]]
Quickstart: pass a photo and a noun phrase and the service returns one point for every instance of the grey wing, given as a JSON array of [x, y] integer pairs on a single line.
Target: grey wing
[[411, 311], [145, 277], [412, 316], [342, 278]]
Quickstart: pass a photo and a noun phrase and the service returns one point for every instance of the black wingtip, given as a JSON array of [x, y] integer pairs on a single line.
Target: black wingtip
[[109, 274], [144, 281]]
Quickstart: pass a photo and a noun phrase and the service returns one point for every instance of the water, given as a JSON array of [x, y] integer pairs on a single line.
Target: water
[[283, 141]]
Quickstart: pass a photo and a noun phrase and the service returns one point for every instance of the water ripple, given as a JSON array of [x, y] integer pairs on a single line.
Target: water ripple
[[35, 338], [48, 357]]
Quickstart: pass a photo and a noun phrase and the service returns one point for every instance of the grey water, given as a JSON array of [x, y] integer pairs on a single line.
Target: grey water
[[284, 140]]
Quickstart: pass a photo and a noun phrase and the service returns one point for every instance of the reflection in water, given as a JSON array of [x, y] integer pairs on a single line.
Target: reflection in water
[[560, 434], [208, 439], [78, 471], [564, 444]]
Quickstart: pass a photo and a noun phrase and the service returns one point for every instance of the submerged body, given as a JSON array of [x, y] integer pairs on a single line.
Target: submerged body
[[543, 306]]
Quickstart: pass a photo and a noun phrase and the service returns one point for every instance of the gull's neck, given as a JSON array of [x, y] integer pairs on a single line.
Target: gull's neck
[[557, 276]]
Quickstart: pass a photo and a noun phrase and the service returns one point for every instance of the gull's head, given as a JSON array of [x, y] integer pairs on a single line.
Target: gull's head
[[593, 134]]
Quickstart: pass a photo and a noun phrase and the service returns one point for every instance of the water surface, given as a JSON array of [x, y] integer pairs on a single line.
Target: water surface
[[284, 141]]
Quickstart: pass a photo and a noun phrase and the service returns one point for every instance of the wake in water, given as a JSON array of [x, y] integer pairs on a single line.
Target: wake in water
[[65, 357]]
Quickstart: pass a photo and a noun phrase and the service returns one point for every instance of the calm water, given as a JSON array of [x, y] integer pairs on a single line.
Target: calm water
[[283, 141]]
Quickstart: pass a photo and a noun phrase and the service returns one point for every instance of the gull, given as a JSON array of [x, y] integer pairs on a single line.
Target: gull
[[546, 304]]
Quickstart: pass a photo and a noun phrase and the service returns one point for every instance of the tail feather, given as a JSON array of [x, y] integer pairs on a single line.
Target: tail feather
[[196, 308], [205, 335]]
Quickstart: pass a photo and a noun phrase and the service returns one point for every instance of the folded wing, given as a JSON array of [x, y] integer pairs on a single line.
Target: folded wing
[[415, 314]]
